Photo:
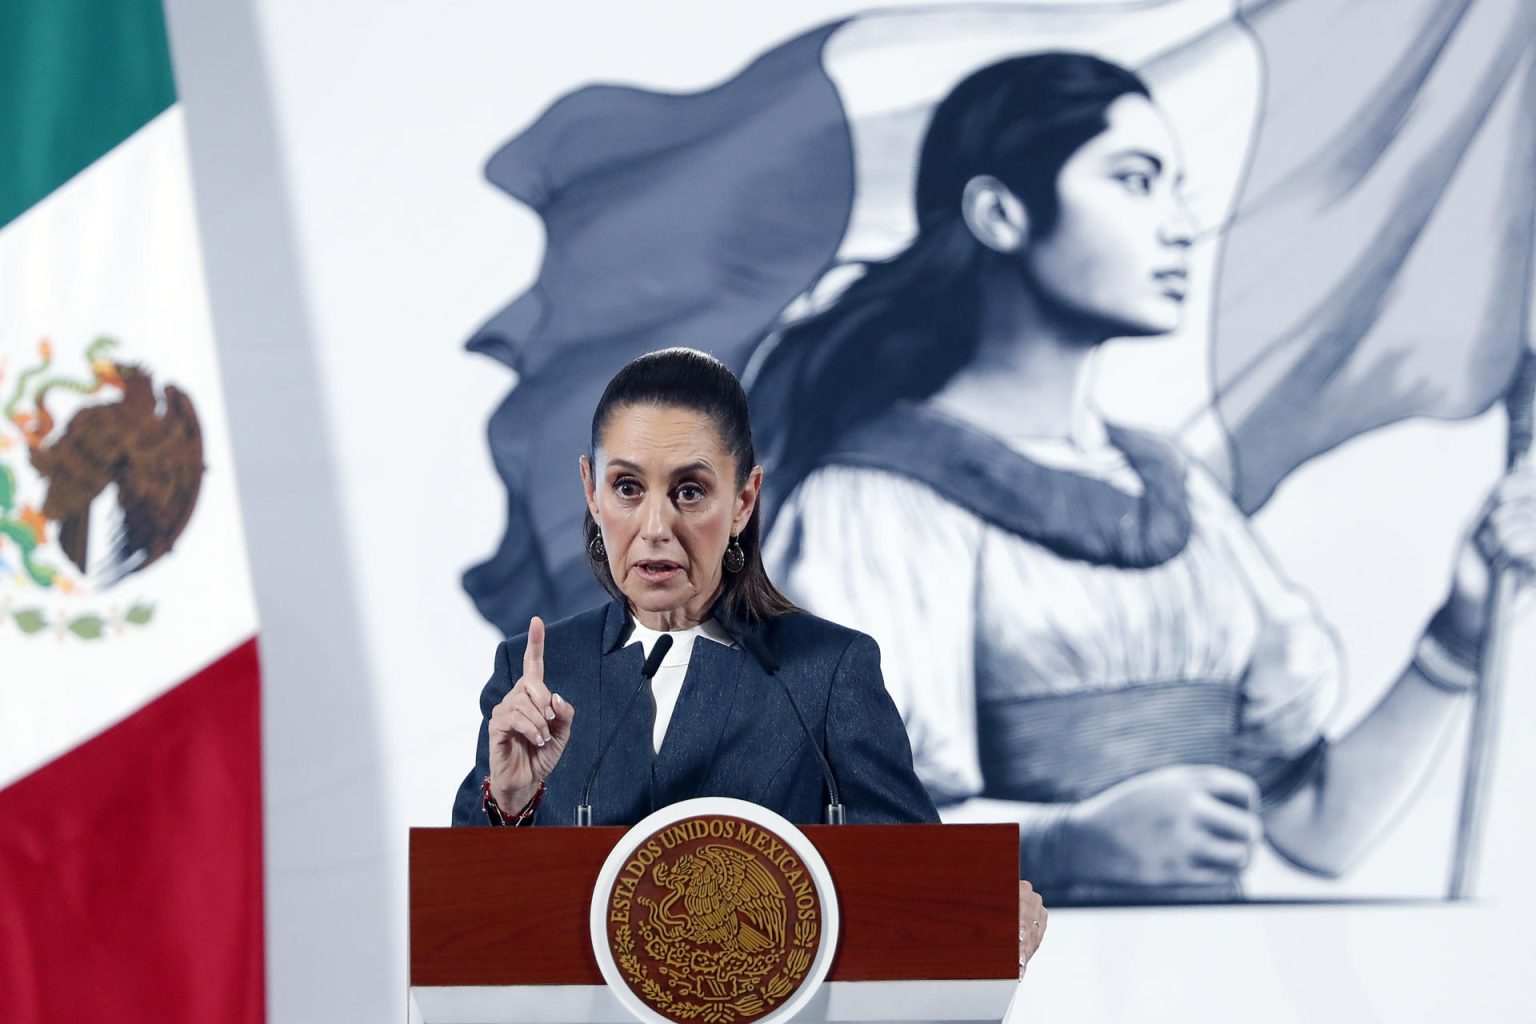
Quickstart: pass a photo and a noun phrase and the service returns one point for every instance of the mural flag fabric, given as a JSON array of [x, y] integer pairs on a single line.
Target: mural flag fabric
[[681, 225], [697, 219], [130, 764], [1379, 263], [1364, 181]]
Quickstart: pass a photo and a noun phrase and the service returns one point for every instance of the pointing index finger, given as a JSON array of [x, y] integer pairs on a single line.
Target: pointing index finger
[[533, 654]]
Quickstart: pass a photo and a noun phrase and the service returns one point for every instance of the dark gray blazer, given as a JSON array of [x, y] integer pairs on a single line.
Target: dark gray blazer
[[733, 732]]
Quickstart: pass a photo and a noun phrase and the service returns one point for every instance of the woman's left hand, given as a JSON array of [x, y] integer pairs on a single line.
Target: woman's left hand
[[1032, 917], [1504, 536]]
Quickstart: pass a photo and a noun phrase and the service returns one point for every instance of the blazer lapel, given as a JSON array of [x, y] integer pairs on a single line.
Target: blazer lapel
[[704, 706], [621, 793]]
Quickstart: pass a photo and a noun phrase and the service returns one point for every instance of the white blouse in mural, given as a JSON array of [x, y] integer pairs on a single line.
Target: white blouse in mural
[[1024, 674]]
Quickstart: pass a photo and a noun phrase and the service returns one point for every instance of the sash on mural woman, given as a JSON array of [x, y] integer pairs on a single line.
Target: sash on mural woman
[[130, 771]]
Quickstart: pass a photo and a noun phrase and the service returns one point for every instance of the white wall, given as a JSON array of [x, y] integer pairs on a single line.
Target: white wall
[[352, 246]]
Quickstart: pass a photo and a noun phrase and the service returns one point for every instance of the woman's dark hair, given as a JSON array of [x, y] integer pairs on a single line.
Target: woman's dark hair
[[905, 327], [686, 378]]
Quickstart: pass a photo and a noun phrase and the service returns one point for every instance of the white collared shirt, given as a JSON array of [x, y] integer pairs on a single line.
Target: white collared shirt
[[668, 682]]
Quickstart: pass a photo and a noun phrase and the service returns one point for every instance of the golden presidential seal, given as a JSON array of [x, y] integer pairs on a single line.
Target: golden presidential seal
[[716, 911]]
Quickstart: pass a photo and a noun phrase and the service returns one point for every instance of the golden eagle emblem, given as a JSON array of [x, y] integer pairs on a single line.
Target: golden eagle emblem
[[713, 919], [730, 899]]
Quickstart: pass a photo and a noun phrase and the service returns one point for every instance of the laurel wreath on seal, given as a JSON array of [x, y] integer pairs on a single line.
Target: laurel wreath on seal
[[678, 963]]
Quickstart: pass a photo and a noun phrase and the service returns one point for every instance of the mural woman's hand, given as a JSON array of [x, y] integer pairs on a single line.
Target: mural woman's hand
[[528, 730], [1504, 535], [1181, 825]]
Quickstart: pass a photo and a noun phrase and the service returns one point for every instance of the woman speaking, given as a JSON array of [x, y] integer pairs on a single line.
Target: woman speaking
[[750, 690]]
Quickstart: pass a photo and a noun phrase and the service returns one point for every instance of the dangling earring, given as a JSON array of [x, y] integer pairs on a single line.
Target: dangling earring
[[735, 558], [596, 550]]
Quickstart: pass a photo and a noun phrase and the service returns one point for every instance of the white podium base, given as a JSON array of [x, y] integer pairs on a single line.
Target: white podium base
[[869, 1002]]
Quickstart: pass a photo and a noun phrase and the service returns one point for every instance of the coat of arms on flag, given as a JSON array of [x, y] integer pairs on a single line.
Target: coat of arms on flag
[[100, 471]]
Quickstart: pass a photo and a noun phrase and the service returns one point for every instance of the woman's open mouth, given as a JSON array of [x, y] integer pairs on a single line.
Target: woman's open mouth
[[658, 571]]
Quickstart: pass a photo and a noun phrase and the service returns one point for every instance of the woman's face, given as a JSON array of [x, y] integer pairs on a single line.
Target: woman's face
[[1117, 255], [664, 495]]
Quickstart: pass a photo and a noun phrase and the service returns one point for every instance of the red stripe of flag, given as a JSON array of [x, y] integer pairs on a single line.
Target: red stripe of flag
[[131, 867]]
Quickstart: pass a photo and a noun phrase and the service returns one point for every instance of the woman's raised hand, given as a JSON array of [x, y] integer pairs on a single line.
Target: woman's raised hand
[[528, 730], [1181, 825]]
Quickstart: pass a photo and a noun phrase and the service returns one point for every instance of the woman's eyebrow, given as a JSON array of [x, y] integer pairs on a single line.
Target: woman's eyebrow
[[625, 465], [1155, 161], [698, 466]]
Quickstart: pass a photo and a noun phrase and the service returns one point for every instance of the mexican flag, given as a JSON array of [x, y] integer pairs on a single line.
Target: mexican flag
[[130, 768]]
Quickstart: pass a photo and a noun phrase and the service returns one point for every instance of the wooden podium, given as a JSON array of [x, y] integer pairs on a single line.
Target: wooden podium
[[499, 924]]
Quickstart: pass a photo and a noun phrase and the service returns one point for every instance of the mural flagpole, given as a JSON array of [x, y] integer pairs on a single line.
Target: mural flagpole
[[1492, 660]]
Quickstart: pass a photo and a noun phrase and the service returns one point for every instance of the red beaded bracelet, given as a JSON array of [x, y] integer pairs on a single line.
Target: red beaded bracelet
[[497, 816]]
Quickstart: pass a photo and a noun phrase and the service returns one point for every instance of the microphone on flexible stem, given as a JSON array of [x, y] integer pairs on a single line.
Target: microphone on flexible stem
[[659, 650], [755, 647]]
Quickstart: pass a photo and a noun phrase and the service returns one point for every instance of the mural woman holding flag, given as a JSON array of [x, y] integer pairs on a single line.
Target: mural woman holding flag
[[1079, 625], [1078, 618]]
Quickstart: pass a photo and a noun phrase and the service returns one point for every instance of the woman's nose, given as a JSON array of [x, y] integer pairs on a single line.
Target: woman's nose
[[1178, 226], [656, 518]]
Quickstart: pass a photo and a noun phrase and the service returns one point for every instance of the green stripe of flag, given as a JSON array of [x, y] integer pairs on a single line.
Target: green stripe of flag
[[76, 78]]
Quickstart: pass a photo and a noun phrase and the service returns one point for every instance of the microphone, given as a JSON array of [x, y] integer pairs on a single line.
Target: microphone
[[659, 650], [758, 650]]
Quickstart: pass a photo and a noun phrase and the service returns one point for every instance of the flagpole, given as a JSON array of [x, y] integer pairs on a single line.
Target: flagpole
[[1518, 401]]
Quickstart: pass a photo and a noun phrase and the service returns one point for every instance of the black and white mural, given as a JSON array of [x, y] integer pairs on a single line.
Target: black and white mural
[[938, 245]]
